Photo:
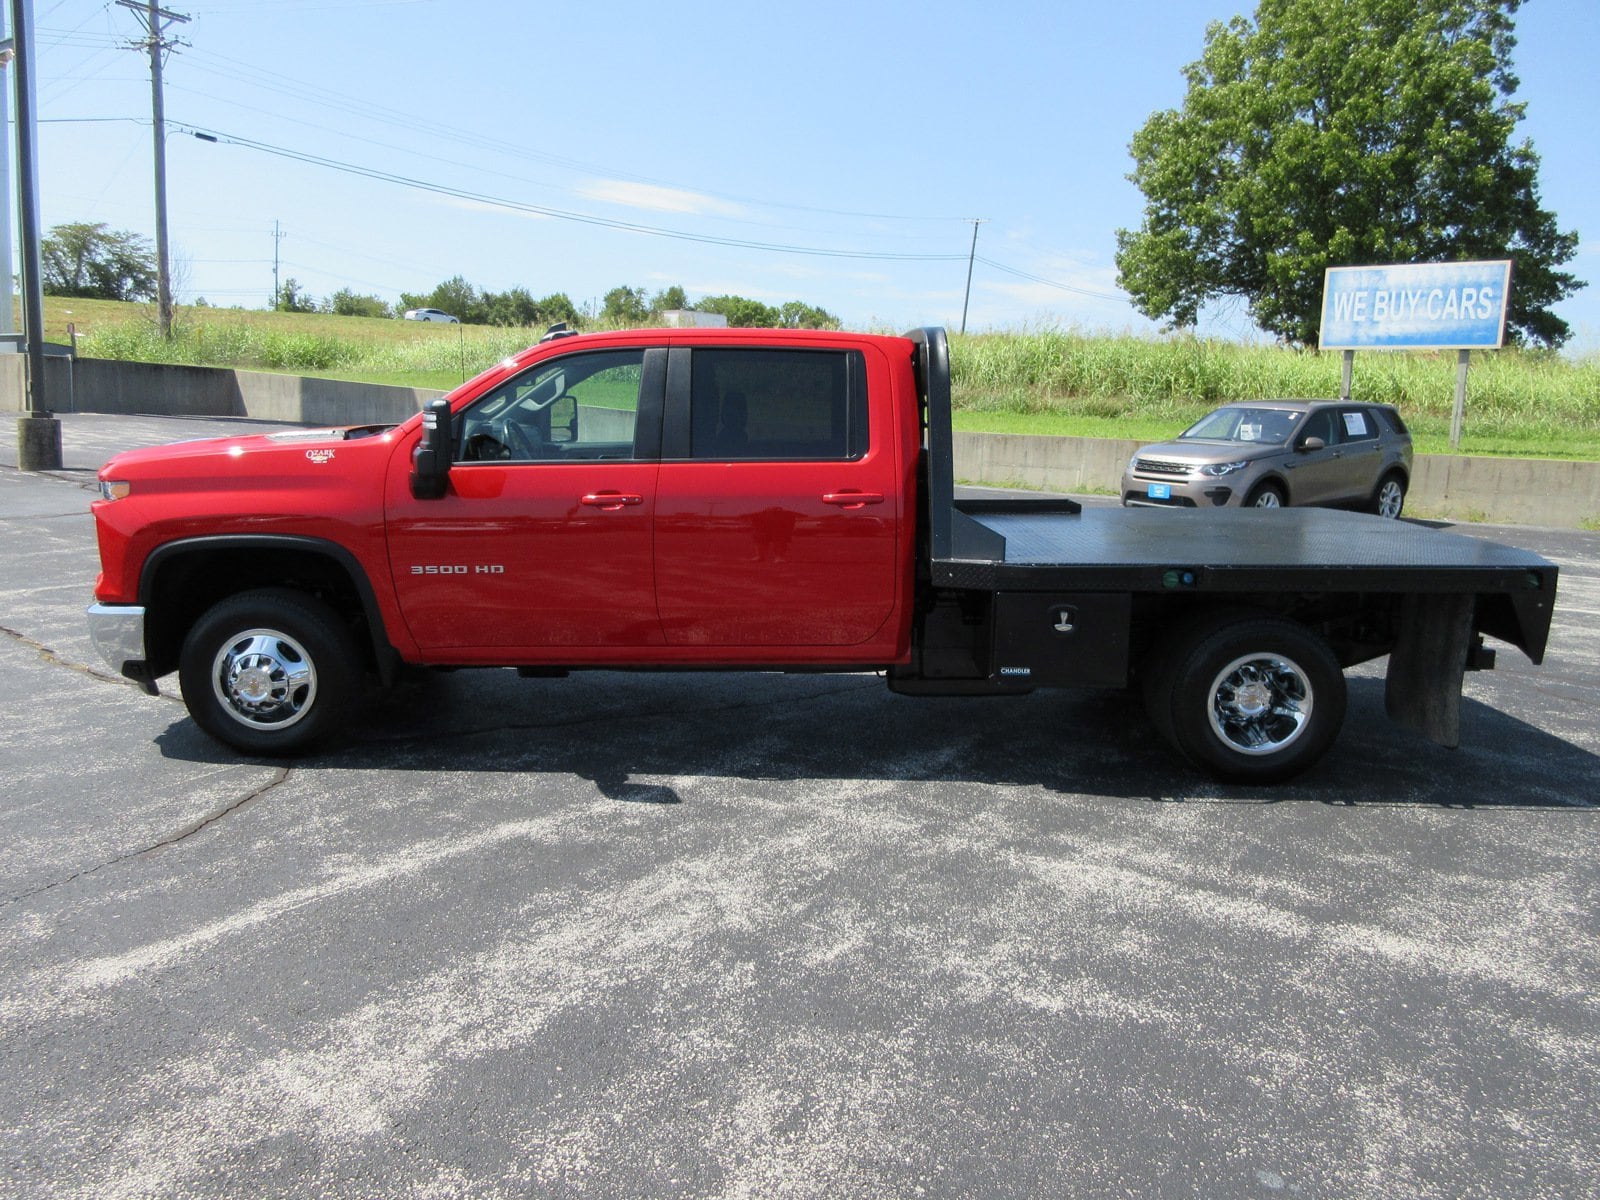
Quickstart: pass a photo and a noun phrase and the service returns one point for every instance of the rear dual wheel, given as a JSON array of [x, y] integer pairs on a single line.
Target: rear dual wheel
[[1247, 698]]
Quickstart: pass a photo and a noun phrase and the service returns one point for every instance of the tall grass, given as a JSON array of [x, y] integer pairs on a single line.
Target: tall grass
[[1510, 393], [1518, 401], [261, 346]]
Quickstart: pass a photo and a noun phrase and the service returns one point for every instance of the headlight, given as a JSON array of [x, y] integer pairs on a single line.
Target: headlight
[[114, 489], [1224, 468]]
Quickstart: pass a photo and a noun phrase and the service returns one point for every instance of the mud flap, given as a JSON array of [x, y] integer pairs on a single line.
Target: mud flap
[[1427, 664]]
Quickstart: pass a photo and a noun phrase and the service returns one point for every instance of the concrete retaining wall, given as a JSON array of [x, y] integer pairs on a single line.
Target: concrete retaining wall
[[154, 389], [1506, 490]]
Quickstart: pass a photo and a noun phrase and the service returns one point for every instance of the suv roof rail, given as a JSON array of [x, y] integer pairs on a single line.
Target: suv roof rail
[[558, 330]]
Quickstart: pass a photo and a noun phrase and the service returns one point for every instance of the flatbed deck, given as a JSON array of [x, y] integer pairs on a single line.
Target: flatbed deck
[[1256, 544], [1056, 545]]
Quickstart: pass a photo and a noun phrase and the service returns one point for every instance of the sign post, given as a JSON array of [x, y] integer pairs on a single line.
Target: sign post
[[1418, 306]]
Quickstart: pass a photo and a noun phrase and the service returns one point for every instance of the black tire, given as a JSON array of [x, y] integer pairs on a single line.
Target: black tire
[[270, 672], [1389, 497], [1247, 698], [1266, 495]]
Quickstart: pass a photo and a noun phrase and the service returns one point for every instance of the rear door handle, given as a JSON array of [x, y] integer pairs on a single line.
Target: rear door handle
[[849, 499], [611, 501]]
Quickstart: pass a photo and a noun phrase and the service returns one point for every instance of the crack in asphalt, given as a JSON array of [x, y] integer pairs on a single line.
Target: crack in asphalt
[[56, 659], [188, 831]]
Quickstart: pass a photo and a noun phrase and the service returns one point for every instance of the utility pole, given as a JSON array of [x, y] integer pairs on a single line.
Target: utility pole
[[8, 321], [972, 257], [38, 431], [156, 20], [277, 236]]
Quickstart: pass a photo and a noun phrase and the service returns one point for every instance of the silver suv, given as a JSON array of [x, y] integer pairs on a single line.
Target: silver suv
[[1268, 453]]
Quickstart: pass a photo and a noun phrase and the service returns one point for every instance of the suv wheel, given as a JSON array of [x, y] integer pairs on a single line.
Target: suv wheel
[[1268, 495], [1390, 496]]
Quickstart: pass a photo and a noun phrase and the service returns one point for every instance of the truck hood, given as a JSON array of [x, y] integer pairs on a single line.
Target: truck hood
[[288, 450]]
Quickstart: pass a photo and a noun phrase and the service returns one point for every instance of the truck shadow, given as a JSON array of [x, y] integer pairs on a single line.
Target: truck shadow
[[636, 737]]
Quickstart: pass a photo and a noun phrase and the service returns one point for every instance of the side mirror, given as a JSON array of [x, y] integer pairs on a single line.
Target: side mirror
[[1311, 443], [430, 461]]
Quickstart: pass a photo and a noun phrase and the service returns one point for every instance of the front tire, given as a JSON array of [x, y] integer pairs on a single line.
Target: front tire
[[1268, 495], [270, 672], [1249, 699]]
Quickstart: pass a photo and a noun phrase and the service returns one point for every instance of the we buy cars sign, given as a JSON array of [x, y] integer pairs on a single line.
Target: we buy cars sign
[[1419, 306]]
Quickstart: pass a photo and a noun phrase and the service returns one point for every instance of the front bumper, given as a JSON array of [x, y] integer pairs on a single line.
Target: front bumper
[[1180, 491], [117, 631]]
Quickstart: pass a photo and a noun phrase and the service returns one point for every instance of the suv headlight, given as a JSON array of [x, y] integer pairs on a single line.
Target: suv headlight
[[1224, 468], [114, 489]]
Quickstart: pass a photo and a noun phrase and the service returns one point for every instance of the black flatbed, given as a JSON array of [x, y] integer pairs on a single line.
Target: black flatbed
[[1051, 544], [1056, 545]]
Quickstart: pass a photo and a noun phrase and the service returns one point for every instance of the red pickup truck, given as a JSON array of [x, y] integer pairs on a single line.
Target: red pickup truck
[[762, 499]]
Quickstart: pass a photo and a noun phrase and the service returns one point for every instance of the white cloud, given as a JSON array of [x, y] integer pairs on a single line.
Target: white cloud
[[655, 198]]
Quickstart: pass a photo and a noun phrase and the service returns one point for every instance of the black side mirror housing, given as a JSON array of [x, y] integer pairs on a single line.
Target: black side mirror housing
[[430, 461]]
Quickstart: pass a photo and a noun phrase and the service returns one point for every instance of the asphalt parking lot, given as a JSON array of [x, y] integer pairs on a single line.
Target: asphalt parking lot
[[759, 936]]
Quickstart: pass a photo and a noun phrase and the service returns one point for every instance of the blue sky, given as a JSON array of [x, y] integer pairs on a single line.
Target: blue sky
[[873, 130]]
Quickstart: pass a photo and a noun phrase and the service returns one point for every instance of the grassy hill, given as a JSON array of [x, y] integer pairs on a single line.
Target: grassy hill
[[1529, 404]]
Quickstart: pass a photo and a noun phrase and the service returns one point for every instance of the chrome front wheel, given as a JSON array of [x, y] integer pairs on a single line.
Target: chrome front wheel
[[273, 671], [264, 679]]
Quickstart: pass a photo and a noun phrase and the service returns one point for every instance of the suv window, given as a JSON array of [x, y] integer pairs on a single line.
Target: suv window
[[577, 406], [1320, 425], [777, 404], [1357, 425]]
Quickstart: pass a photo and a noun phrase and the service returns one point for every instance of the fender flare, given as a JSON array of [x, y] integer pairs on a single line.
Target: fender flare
[[384, 654]]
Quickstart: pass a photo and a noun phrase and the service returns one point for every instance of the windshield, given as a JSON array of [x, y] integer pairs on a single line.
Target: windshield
[[1272, 426]]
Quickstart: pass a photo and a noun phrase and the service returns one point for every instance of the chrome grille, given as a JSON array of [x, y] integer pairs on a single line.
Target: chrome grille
[[1152, 466]]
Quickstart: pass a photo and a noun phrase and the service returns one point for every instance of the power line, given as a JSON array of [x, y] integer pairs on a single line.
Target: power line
[[556, 213], [413, 123], [1064, 287]]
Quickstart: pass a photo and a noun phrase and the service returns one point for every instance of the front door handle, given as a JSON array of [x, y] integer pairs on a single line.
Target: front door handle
[[848, 499], [611, 501]]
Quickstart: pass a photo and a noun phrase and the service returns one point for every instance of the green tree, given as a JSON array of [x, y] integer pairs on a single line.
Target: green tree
[[741, 311], [95, 261], [625, 306], [516, 307], [461, 300], [795, 315], [670, 299], [1325, 134], [292, 299], [557, 307], [346, 303]]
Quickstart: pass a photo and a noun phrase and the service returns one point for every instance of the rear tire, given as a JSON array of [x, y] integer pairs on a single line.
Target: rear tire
[[1390, 496], [1247, 698], [270, 672]]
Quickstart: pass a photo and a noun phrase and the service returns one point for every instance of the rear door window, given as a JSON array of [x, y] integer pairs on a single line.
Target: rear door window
[[777, 405], [1357, 425]]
